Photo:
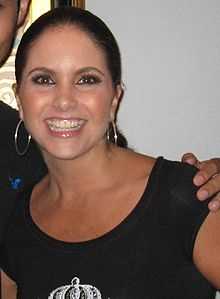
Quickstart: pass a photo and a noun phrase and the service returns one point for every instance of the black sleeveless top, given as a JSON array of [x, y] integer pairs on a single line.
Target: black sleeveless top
[[148, 255]]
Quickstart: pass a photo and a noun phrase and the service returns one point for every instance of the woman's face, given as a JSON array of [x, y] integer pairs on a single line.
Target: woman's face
[[66, 96]]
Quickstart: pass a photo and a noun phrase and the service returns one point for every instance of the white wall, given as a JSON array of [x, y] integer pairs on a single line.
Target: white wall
[[171, 67]]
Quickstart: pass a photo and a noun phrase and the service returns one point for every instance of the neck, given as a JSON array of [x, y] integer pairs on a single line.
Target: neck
[[68, 177]]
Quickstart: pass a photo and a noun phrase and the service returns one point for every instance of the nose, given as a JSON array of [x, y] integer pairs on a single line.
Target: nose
[[65, 98]]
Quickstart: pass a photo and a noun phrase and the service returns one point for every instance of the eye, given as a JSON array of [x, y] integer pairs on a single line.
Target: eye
[[43, 80], [88, 80]]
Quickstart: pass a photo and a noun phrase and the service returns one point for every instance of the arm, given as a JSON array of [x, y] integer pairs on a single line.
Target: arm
[[207, 178], [8, 287], [207, 247]]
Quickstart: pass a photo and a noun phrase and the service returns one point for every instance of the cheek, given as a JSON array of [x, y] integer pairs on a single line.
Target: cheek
[[32, 98], [8, 24], [100, 111], [99, 106], [5, 43], [29, 105]]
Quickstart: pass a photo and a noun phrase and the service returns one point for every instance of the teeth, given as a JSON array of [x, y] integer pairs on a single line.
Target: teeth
[[64, 124]]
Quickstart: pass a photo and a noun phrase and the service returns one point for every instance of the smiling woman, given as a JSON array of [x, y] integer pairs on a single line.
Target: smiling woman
[[98, 199]]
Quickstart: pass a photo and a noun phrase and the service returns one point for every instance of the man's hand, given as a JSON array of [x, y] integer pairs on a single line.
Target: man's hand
[[208, 177]]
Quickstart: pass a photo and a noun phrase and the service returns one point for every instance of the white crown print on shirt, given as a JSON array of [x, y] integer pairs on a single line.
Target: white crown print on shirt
[[76, 291]]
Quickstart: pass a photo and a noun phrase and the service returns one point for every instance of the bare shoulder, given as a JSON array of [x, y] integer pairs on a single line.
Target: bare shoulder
[[135, 163], [8, 287], [207, 247]]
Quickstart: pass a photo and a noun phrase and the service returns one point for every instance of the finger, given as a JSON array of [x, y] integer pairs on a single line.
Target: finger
[[211, 188], [214, 204], [208, 169], [190, 158], [216, 163]]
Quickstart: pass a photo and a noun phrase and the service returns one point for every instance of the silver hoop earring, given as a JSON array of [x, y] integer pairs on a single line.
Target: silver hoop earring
[[115, 132], [19, 152], [111, 134], [108, 135]]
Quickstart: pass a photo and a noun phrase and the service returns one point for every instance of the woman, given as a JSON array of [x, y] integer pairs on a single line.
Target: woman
[[105, 222]]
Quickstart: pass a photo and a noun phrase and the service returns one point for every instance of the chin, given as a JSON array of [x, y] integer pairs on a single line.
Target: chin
[[62, 156], [72, 151]]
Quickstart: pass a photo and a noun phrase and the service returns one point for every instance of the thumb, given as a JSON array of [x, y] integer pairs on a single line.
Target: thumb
[[191, 159]]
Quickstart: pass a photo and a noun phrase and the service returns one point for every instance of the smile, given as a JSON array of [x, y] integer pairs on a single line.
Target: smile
[[65, 125]]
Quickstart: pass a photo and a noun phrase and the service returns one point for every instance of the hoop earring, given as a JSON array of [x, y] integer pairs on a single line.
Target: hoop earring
[[112, 134], [108, 136], [19, 152], [115, 132]]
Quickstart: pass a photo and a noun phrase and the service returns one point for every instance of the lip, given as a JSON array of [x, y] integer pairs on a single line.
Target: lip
[[65, 127]]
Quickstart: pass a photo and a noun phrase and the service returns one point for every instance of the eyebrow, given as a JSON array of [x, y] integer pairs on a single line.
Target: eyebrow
[[41, 69], [90, 69], [78, 72]]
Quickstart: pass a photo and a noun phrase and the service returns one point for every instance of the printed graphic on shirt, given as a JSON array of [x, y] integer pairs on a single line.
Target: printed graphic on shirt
[[76, 291]]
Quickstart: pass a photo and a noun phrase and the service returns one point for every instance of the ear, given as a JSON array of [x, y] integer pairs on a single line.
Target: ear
[[15, 88], [23, 10], [116, 102]]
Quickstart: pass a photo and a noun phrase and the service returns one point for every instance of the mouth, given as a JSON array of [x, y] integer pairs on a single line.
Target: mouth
[[65, 125]]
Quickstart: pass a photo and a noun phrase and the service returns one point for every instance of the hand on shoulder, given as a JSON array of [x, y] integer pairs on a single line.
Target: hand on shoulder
[[207, 178]]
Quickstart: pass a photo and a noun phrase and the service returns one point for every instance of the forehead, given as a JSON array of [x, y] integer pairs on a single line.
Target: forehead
[[70, 33], [64, 42]]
